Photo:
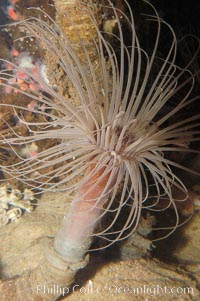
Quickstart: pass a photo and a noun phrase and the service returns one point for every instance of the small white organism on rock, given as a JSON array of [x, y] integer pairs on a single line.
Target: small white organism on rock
[[13, 202]]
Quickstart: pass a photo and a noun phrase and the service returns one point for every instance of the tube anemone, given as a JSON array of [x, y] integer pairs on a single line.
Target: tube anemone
[[116, 132], [110, 145]]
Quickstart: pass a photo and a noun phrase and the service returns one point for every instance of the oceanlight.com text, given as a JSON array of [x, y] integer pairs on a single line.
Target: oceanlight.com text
[[115, 289]]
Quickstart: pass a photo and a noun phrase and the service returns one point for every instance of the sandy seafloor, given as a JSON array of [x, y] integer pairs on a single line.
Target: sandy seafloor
[[107, 277]]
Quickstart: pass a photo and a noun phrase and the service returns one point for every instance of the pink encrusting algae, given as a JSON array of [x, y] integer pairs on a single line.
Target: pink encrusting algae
[[12, 12], [27, 66], [112, 146]]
